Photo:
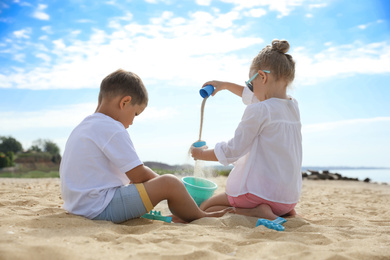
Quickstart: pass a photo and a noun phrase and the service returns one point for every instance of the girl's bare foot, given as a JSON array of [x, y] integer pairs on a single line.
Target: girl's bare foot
[[291, 213]]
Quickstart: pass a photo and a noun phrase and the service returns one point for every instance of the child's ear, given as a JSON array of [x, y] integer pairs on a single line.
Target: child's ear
[[124, 101], [263, 76]]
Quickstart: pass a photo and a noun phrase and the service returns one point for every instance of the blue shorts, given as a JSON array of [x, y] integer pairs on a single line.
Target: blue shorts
[[130, 201]]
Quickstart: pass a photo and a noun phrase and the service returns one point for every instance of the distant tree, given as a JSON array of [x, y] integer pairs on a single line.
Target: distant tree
[[6, 159], [44, 145], [35, 148], [10, 144], [51, 147], [47, 146]]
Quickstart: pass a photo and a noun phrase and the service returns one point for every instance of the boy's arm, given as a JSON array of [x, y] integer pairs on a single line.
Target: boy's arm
[[220, 85], [141, 174]]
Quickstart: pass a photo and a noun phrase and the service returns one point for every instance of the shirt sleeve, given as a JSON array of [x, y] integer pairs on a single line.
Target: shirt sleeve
[[248, 97], [121, 152], [252, 122]]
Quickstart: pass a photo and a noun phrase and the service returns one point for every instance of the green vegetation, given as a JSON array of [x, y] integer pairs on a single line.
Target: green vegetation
[[41, 160], [6, 159], [222, 172], [162, 171], [10, 144], [31, 174]]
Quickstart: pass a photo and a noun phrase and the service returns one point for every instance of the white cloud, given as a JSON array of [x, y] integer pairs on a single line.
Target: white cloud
[[44, 57], [85, 21], [59, 44], [365, 26], [47, 29], [75, 32], [283, 7], [40, 14], [23, 34], [257, 12], [322, 5], [328, 126], [226, 20], [362, 27], [19, 57], [154, 113], [343, 60], [176, 49], [203, 2], [57, 117], [354, 142], [68, 116]]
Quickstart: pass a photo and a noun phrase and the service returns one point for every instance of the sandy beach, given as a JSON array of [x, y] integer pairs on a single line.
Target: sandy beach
[[337, 220]]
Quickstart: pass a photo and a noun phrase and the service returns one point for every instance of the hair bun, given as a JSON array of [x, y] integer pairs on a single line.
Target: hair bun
[[280, 45]]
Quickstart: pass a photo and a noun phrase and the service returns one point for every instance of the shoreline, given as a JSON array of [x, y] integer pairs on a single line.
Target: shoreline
[[336, 219]]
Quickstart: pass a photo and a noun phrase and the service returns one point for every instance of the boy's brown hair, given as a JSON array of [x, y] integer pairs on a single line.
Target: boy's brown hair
[[124, 83]]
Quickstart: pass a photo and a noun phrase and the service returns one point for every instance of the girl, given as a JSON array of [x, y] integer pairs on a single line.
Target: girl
[[266, 149]]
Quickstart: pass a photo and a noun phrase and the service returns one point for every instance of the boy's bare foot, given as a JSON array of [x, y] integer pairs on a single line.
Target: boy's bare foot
[[220, 213], [215, 214], [177, 220]]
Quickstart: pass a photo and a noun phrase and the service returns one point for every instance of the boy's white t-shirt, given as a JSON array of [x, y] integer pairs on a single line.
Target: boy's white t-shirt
[[266, 151], [97, 156]]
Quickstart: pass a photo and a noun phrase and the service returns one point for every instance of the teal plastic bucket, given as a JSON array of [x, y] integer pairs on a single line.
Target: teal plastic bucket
[[200, 189]]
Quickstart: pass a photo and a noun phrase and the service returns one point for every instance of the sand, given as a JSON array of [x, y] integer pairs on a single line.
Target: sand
[[338, 220]]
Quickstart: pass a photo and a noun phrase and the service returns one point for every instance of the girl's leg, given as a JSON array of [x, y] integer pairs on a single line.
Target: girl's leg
[[261, 211], [215, 203], [220, 202], [291, 213], [180, 203]]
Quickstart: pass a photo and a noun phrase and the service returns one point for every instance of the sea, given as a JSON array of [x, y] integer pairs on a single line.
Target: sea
[[380, 175]]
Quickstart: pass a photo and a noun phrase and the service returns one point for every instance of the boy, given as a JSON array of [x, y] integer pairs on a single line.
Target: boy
[[102, 177]]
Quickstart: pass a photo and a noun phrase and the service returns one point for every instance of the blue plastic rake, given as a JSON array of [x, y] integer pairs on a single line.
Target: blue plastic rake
[[156, 215], [272, 224]]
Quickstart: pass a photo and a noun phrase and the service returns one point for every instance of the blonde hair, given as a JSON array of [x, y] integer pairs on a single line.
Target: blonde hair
[[275, 58], [124, 83]]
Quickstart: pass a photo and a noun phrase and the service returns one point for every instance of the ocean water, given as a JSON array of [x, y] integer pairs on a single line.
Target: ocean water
[[376, 175]]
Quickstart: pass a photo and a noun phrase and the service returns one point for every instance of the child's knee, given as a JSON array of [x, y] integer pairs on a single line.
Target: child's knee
[[171, 180]]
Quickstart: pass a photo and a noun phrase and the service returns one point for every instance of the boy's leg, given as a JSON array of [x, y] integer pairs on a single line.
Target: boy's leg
[[170, 188]]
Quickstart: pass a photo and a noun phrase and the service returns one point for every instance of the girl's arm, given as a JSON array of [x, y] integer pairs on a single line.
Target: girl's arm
[[203, 154], [220, 85]]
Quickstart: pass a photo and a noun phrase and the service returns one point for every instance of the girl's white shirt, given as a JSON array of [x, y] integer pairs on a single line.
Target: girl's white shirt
[[266, 151]]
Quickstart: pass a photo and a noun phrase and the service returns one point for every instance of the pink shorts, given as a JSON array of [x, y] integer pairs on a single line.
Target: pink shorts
[[249, 201]]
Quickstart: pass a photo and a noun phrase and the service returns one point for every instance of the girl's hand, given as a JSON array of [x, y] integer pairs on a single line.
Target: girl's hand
[[218, 85], [196, 152]]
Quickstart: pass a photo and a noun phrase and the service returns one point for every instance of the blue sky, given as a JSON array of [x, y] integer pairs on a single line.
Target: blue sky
[[54, 54]]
